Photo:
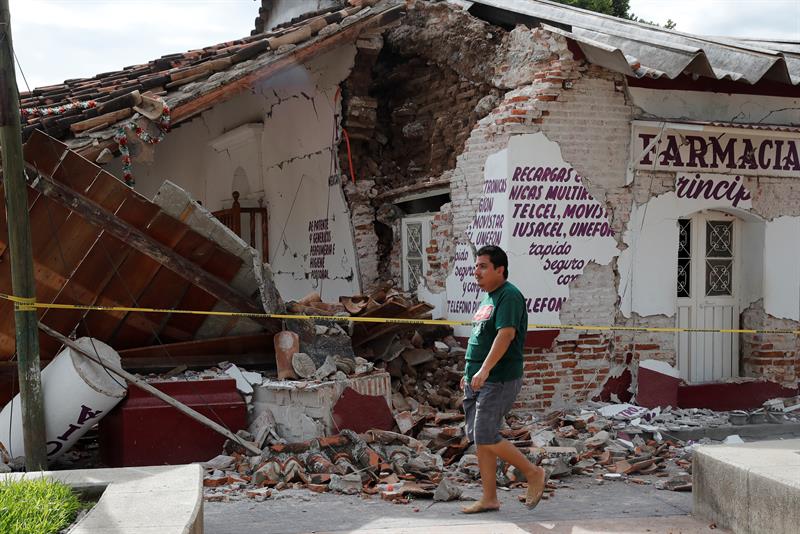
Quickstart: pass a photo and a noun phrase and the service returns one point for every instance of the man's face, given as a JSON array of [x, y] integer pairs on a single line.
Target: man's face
[[487, 275]]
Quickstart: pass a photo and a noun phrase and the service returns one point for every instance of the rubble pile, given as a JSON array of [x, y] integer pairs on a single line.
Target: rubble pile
[[378, 462], [427, 454], [432, 459], [425, 376], [612, 442]]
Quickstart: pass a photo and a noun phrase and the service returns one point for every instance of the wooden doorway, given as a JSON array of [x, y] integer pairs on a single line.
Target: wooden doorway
[[248, 223]]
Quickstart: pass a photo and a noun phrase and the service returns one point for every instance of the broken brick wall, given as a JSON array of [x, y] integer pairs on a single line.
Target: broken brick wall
[[553, 92], [773, 356], [407, 117], [538, 82]]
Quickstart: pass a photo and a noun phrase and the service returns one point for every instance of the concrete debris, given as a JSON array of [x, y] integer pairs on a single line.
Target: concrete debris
[[597, 440], [349, 484], [676, 483], [416, 447], [447, 491], [244, 379], [219, 462], [326, 369]]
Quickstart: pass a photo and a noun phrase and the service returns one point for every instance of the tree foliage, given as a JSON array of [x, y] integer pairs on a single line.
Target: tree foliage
[[615, 8]]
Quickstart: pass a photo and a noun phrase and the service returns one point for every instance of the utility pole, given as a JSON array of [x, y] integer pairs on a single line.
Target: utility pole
[[19, 238]]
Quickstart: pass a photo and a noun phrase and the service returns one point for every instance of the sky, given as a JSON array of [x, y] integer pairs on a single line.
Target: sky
[[57, 40]]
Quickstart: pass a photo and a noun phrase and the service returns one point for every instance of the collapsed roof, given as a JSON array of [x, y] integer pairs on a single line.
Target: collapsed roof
[[193, 81], [97, 242], [645, 51]]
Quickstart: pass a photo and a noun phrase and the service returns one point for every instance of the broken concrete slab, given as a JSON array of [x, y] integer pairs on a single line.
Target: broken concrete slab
[[414, 357], [254, 275], [262, 427], [313, 401], [243, 382]]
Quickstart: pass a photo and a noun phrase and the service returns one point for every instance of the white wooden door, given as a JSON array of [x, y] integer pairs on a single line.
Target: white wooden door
[[707, 289], [416, 238]]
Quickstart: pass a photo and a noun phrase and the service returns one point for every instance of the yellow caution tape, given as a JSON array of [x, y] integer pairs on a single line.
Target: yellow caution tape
[[23, 303], [29, 304]]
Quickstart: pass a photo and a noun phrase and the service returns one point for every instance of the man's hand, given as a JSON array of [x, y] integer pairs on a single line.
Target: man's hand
[[463, 381], [479, 379]]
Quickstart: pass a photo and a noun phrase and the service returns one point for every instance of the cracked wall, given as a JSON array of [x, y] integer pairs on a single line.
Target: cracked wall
[[409, 107], [277, 143], [589, 112]]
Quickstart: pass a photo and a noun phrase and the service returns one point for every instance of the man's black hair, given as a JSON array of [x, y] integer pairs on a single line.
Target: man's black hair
[[496, 255]]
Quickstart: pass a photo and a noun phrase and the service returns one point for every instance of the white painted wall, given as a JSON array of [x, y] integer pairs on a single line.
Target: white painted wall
[[535, 266], [287, 164], [708, 106], [648, 267], [782, 271]]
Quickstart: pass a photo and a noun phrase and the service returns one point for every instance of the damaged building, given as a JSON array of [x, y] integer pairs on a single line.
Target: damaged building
[[640, 178]]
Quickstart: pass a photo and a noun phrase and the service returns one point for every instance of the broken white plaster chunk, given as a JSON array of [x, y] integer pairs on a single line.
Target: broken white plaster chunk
[[598, 439], [253, 377], [242, 384], [320, 330], [660, 367], [105, 156], [441, 347], [622, 411], [733, 439]]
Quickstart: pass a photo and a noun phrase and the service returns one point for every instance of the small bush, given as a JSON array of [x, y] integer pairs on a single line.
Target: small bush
[[36, 506]]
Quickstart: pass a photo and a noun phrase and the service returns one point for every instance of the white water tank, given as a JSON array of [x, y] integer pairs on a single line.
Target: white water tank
[[77, 394]]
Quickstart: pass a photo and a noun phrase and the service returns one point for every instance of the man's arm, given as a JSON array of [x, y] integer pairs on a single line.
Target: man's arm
[[500, 345]]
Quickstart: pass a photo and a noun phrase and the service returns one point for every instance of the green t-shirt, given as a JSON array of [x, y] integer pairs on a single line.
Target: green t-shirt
[[503, 307]]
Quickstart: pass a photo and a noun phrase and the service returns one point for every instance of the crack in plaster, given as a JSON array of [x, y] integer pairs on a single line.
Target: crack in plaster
[[268, 113], [765, 117], [309, 155]]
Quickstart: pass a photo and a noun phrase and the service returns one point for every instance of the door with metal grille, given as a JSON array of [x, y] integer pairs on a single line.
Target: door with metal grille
[[707, 295]]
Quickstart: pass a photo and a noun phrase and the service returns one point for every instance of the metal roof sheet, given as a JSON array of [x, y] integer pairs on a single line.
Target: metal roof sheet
[[643, 50]]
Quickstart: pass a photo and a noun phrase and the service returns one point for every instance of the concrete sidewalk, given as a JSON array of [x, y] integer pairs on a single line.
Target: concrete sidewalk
[[584, 506], [751, 487], [651, 525]]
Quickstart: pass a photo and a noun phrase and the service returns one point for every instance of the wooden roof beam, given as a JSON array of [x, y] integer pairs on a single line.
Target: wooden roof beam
[[108, 222]]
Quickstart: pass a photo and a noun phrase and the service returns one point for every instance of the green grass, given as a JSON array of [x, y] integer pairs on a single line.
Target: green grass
[[36, 506]]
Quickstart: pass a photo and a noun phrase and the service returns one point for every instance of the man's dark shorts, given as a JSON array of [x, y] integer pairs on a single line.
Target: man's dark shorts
[[486, 408]]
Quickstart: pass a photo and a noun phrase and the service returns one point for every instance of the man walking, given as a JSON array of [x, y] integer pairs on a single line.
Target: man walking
[[493, 377]]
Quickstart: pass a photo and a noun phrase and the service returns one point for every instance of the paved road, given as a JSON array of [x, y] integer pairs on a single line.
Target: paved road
[[629, 507]]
